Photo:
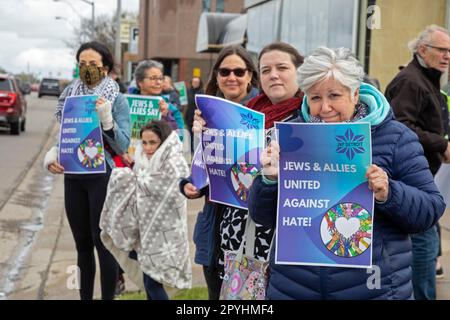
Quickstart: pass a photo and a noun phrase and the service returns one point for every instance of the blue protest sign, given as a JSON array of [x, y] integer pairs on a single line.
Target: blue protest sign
[[81, 148], [325, 208], [232, 144]]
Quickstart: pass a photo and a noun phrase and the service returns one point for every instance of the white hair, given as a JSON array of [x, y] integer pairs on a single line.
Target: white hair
[[143, 66], [325, 63], [424, 37]]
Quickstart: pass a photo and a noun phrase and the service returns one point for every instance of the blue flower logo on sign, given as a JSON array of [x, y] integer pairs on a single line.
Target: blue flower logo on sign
[[350, 144], [249, 121]]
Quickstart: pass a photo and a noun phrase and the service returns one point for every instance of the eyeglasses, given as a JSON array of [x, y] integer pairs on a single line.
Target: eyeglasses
[[155, 78], [238, 72], [441, 50]]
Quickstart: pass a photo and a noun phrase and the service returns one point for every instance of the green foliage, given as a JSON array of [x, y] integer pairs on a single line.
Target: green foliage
[[138, 295], [198, 293]]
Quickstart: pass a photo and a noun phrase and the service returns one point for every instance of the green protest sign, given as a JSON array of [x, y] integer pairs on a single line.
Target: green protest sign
[[142, 110], [181, 87]]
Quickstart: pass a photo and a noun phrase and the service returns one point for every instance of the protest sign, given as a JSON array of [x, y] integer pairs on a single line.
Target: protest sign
[[325, 208], [198, 169], [142, 110], [232, 144], [182, 90], [81, 149]]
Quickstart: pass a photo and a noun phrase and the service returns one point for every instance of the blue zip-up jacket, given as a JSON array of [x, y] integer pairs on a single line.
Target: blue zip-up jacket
[[414, 204]]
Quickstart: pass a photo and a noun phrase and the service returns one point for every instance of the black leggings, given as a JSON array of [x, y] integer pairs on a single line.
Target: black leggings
[[213, 282], [84, 200], [154, 289]]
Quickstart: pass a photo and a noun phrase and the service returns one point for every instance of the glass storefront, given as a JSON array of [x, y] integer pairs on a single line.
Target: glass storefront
[[306, 24]]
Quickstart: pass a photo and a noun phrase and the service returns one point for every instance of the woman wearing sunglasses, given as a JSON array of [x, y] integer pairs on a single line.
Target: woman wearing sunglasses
[[279, 101], [233, 77]]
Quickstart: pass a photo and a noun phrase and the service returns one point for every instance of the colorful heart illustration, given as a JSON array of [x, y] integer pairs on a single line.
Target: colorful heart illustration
[[246, 179], [91, 152], [347, 227]]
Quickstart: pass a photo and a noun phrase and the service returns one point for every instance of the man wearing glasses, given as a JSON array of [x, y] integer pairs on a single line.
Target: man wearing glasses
[[416, 100]]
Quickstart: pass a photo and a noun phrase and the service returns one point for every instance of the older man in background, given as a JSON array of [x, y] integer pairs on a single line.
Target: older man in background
[[415, 97]]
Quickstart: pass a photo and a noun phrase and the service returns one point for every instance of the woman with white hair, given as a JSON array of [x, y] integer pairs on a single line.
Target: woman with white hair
[[149, 80], [406, 198]]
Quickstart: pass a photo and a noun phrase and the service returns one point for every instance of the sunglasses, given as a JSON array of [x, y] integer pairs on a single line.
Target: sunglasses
[[238, 72]]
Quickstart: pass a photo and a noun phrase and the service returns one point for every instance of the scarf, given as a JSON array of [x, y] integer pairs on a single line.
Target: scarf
[[275, 112], [377, 107], [107, 88]]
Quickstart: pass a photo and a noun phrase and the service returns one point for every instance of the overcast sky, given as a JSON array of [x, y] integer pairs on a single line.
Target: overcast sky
[[32, 39]]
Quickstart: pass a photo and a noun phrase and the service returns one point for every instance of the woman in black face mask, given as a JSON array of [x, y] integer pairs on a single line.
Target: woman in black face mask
[[84, 194]]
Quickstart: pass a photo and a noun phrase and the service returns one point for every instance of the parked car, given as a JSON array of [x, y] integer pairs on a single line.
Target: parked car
[[24, 86], [13, 106], [35, 87], [49, 87]]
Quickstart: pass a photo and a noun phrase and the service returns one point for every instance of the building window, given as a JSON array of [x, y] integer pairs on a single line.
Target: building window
[[262, 25], [220, 6], [305, 24], [310, 24]]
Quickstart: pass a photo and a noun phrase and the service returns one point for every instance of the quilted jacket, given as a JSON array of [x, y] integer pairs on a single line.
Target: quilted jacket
[[414, 204]]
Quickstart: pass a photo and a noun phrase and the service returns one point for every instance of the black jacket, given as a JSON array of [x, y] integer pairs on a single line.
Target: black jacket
[[415, 97], [189, 117]]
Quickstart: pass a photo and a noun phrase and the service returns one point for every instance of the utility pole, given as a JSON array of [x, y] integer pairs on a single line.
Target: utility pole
[[118, 48], [93, 20]]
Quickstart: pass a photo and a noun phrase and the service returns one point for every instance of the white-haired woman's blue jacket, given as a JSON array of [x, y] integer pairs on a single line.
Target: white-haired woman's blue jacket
[[414, 204]]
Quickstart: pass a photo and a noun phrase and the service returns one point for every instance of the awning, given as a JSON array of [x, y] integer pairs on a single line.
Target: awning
[[217, 30]]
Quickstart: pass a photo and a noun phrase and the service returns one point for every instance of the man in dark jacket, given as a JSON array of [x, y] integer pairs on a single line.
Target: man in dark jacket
[[415, 97]]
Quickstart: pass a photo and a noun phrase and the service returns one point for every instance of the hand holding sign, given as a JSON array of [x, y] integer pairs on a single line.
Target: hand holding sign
[[51, 161], [270, 158], [378, 182], [199, 122], [104, 108], [164, 107], [191, 191]]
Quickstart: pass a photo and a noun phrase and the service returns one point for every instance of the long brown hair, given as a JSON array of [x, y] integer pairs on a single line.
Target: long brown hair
[[212, 87]]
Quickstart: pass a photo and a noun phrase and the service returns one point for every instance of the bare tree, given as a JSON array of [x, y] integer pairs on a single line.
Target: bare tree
[[105, 31]]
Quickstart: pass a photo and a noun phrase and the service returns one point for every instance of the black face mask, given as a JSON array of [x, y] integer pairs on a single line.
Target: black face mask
[[91, 75]]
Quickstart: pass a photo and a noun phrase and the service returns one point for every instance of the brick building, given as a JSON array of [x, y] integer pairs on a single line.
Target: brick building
[[168, 32]]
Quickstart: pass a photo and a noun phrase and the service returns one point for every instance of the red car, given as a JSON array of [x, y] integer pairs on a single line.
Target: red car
[[13, 106]]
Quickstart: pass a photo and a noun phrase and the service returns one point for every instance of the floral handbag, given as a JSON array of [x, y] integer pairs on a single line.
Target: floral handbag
[[245, 278]]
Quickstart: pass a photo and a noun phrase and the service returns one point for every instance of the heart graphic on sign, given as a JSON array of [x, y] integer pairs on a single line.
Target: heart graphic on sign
[[347, 227], [246, 179], [91, 152]]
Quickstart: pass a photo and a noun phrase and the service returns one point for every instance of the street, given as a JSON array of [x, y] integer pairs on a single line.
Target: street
[[22, 204], [39, 122]]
